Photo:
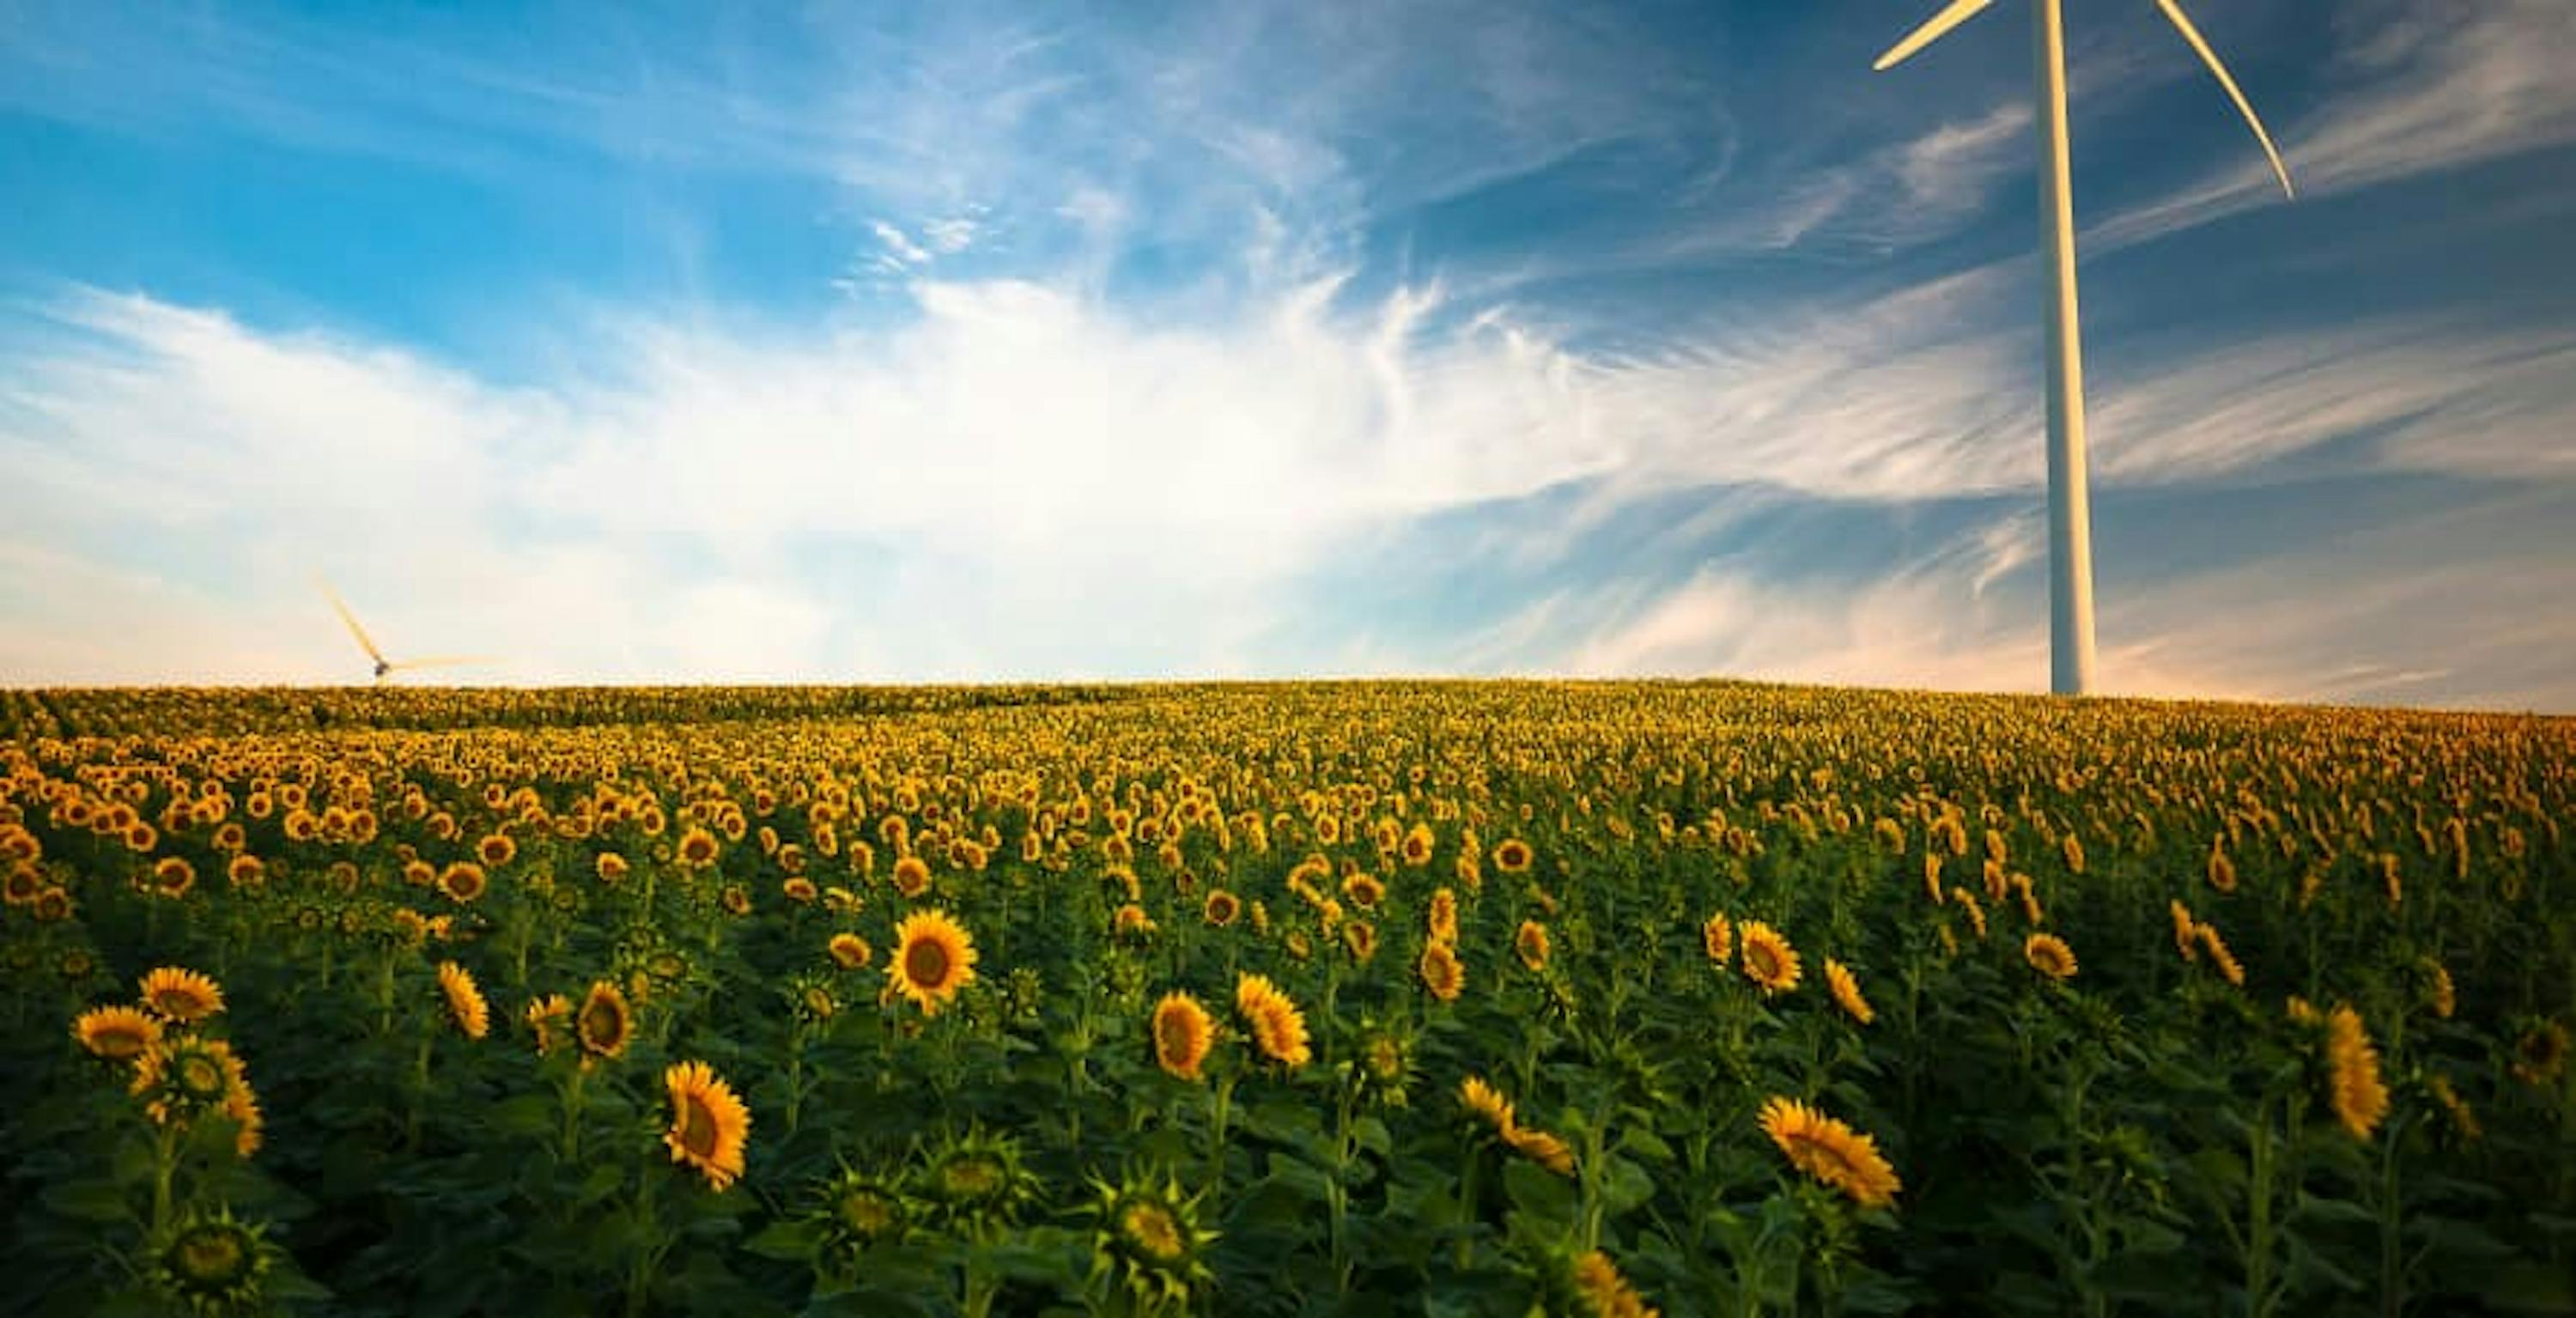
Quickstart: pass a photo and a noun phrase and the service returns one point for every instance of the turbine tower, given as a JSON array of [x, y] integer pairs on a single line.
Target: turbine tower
[[2070, 514]]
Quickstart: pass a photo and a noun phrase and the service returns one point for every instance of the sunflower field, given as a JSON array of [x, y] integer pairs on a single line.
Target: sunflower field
[[1438, 998]]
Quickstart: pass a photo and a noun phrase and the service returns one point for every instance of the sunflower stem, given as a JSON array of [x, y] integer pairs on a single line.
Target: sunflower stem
[[165, 1168]]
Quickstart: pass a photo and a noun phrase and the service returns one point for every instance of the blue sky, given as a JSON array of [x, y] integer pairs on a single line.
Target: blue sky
[[966, 341]]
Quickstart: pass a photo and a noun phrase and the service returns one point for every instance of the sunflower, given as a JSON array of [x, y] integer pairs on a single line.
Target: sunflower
[[211, 1264], [463, 882], [119, 1034], [709, 1125], [2229, 968], [1278, 1027], [1359, 938], [1486, 1103], [849, 951], [497, 850], [1967, 901], [544, 1017], [182, 997], [1769, 961], [1542, 1148], [610, 867], [245, 871], [182, 1076], [605, 1023], [2049, 955], [1182, 1033], [1511, 855], [1530, 944], [24, 881], [2439, 992], [1130, 921], [1150, 1235], [173, 876], [800, 890], [912, 876], [1717, 939], [1221, 908], [934, 957], [697, 849], [1607, 1293], [1441, 972], [241, 1106], [734, 899], [1364, 891], [464, 1000], [1846, 991], [2186, 931], [860, 1210], [2539, 1053], [978, 1179], [1443, 919], [2360, 1097], [1831, 1152]]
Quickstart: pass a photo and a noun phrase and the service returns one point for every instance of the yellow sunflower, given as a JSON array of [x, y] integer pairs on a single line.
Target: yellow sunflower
[[912, 876], [605, 1024], [118, 1034], [2229, 968], [1530, 944], [1542, 1148], [1511, 855], [709, 1125], [497, 850], [173, 876], [934, 957], [2360, 1097], [1443, 922], [850, 952], [465, 1000], [544, 1017], [2049, 955], [1597, 1279], [463, 882], [1222, 908], [180, 996], [1182, 1033], [1769, 961], [1487, 1103], [1278, 1027], [1441, 972], [1717, 939], [1846, 990], [1831, 1152]]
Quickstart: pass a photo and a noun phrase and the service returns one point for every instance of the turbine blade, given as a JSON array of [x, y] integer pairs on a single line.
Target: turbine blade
[[443, 661], [2182, 24], [1951, 15], [351, 619]]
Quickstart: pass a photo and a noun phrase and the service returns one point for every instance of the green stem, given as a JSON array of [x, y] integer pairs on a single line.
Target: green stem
[[165, 1168]]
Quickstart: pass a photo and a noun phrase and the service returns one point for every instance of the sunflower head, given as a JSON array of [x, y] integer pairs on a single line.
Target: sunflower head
[[977, 1179], [1530, 944], [1831, 1152], [1148, 1235], [709, 1124], [934, 957], [1769, 961], [118, 1034], [1846, 991], [1183, 1032], [861, 1210], [180, 996], [606, 1022], [1487, 1106], [2049, 955], [547, 1018], [1717, 939], [1278, 1027], [465, 1002], [464, 882], [183, 1075], [1443, 975], [849, 951], [1382, 1058], [212, 1264]]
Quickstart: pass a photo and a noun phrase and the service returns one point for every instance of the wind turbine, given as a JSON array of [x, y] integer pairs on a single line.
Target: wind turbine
[[386, 667], [2070, 515]]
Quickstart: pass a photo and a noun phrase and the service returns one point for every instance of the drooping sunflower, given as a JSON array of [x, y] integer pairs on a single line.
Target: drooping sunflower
[[1441, 972], [1530, 944], [464, 882], [934, 957], [849, 951], [464, 1000], [181, 996], [605, 1024], [1182, 1033], [1278, 1027], [119, 1034], [1769, 961], [1717, 939], [2229, 968], [1967, 901], [2049, 955], [1542, 1148], [1443, 919], [2440, 994], [1605, 1292], [800, 890], [1830, 1151], [1846, 991], [709, 1125], [2360, 1096]]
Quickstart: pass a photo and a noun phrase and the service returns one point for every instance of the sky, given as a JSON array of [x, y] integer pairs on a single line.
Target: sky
[[961, 341]]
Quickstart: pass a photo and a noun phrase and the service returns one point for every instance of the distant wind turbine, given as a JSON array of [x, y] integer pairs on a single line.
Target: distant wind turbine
[[387, 667], [2070, 517]]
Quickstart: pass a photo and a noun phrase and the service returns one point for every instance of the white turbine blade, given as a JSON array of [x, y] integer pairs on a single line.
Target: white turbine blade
[[1952, 15], [351, 619], [2182, 24], [444, 661]]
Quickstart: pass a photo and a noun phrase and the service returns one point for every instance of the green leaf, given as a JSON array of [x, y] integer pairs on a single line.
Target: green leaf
[[794, 1241], [89, 1201], [1538, 1192]]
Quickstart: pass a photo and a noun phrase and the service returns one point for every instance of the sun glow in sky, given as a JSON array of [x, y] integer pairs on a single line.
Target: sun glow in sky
[[963, 341]]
